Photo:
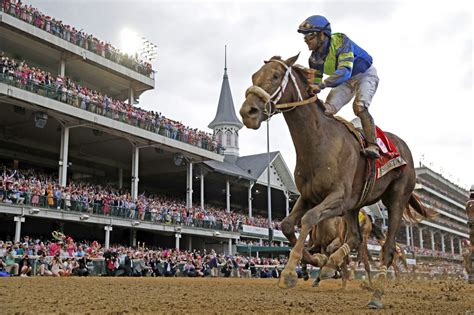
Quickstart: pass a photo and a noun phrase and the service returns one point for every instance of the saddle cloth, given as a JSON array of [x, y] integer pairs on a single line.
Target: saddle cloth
[[389, 157]]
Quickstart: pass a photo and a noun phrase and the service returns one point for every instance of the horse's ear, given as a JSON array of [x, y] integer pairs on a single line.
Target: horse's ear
[[291, 61]]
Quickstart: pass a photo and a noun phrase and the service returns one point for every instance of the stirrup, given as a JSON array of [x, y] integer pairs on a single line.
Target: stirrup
[[371, 152]]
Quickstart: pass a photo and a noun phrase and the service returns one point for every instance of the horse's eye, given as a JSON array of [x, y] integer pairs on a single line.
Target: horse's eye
[[276, 76]]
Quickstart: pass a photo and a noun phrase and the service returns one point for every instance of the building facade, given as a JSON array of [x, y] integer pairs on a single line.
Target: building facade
[[443, 235]]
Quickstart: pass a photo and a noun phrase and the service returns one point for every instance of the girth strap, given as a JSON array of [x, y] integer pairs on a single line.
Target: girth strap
[[369, 182]]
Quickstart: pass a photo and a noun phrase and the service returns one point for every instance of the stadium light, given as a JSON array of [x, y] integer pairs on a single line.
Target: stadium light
[[84, 217], [130, 41], [137, 46], [34, 211]]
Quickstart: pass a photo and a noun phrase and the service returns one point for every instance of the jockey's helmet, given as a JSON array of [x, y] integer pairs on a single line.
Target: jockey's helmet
[[315, 23]]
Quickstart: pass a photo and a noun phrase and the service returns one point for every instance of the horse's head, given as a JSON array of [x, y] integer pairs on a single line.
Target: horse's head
[[269, 89]]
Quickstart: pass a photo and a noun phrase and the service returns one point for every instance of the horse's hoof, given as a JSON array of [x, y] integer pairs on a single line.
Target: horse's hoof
[[316, 282], [366, 286], [327, 273], [288, 279], [375, 304], [306, 277]]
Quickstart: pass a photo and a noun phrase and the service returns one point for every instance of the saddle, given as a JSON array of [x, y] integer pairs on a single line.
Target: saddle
[[389, 158]]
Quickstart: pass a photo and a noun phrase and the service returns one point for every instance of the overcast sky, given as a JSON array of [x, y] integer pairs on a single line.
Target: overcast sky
[[422, 51]]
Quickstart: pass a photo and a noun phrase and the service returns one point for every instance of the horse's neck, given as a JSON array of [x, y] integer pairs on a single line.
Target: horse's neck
[[306, 125]]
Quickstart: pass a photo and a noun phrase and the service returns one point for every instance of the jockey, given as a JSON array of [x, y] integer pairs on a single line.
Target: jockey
[[350, 73]]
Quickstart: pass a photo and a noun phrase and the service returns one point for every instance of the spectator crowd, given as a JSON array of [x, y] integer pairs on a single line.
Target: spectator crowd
[[62, 89], [62, 257], [433, 253], [33, 16], [39, 189], [66, 257]]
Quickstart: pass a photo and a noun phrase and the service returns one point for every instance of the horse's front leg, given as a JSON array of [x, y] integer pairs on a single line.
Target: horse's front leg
[[288, 228], [330, 207], [364, 252], [352, 241]]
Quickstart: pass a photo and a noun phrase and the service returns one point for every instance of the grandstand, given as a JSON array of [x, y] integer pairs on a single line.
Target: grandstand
[[69, 119], [442, 236], [69, 113]]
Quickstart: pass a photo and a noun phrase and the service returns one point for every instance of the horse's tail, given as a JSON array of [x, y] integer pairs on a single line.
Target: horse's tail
[[377, 233], [420, 211]]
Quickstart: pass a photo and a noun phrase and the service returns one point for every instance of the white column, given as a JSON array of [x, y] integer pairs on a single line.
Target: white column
[[132, 186], [202, 190], [62, 67], [177, 237], [61, 153], [420, 234], [432, 240], [107, 229], [18, 221], [63, 159], [442, 243], [190, 243], [452, 245], [120, 178], [407, 232], [460, 246], [230, 246], [227, 195], [133, 237], [287, 202], [131, 95], [189, 186], [135, 178], [251, 183], [412, 239]]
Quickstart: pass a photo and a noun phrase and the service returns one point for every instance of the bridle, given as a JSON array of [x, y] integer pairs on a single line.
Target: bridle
[[271, 101]]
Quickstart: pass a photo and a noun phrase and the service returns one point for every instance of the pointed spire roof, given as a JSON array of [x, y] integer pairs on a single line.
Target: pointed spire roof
[[225, 110]]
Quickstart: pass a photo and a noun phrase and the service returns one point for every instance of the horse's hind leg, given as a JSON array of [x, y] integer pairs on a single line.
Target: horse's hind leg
[[352, 241], [345, 272], [395, 268], [396, 203], [364, 251], [330, 207]]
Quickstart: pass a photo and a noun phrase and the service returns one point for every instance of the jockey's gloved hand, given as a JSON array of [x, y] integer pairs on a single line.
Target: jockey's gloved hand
[[310, 75], [316, 88]]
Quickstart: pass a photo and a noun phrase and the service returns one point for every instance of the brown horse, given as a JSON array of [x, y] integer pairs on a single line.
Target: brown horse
[[328, 236], [330, 171], [401, 259]]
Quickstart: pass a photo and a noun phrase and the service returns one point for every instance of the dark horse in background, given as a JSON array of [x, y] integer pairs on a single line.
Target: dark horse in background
[[330, 171]]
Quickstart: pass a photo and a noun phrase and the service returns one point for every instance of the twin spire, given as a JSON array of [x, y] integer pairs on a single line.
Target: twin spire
[[226, 124]]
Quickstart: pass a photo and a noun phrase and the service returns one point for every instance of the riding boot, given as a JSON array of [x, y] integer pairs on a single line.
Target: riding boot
[[372, 150]]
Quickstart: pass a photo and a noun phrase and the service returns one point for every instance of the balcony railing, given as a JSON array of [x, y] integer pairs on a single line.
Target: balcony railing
[[162, 126], [96, 208]]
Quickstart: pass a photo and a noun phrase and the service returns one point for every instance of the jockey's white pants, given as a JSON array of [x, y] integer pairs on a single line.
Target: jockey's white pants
[[363, 86]]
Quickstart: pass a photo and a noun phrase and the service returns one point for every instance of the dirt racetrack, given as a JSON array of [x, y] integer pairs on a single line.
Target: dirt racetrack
[[224, 296]]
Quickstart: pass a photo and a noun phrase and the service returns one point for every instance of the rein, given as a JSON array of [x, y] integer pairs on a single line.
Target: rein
[[276, 96]]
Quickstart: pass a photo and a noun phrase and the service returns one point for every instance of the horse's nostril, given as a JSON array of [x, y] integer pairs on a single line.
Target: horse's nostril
[[253, 111]]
